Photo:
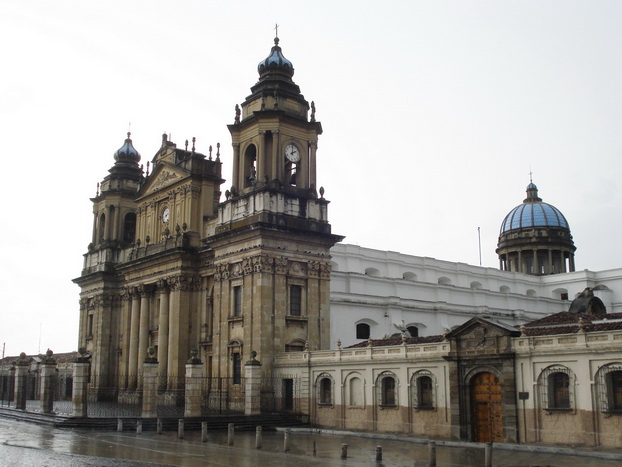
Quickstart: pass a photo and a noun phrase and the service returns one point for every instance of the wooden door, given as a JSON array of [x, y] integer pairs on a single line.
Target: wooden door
[[486, 408]]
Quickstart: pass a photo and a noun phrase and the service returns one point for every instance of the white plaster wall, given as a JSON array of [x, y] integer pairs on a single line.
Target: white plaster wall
[[386, 288]]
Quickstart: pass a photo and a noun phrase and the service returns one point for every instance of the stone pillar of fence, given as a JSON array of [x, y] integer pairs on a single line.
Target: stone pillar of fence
[[47, 372], [194, 375], [150, 385], [79, 392], [252, 391], [21, 372]]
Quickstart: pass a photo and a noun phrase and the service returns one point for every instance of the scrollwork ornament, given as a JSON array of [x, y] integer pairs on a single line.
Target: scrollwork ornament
[[280, 265]]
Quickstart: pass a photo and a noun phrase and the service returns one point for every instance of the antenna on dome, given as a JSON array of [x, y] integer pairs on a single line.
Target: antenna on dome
[[479, 240]]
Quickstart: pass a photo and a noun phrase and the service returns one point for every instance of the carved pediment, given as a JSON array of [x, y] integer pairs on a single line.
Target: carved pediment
[[163, 176], [482, 336]]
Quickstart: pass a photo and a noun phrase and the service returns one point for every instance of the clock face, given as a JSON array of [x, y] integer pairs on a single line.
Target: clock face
[[292, 153], [166, 214]]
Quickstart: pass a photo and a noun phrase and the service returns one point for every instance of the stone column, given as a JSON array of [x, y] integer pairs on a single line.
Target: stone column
[[302, 169], [79, 395], [163, 328], [143, 332], [134, 324], [150, 385], [21, 372], [236, 164], [47, 371], [252, 390], [276, 156], [312, 165], [194, 375]]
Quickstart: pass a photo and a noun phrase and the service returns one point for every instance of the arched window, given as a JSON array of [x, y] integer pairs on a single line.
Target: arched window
[[297, 345], [444, 280], [356, 396], [129, 227], [250, 165], [363, 331], [409, 276], [325, 390], [614, 390], [557, 388], [372, 272], [422, 388], [101, 228], [387, 387], [609, 379], [504, 289], [413, 331]]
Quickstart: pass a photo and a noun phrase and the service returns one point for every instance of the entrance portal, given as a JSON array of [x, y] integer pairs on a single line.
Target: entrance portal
[[486, 407]]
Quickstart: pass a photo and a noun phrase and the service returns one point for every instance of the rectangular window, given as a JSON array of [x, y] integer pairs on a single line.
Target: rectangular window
[[90, 325], [295, 300], [237, 368], [237, 301]]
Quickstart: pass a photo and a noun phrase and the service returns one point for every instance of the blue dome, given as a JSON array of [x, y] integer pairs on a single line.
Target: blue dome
[[534, 214]]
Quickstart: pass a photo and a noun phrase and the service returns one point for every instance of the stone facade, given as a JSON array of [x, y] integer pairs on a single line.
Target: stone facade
[[173, 268], [487, 382]]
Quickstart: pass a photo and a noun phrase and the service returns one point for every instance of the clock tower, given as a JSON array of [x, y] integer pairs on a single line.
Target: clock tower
[[272, 238]]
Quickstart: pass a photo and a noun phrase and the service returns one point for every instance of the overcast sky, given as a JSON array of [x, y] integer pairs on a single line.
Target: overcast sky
[[433, 112]]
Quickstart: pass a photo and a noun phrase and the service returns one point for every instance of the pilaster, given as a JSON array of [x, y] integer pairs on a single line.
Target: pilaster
[[150, 386], [194, 377], [21, 372], [47, 372], [252, 393], [80, 387]]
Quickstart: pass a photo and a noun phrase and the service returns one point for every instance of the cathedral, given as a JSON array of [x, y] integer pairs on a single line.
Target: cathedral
[[378, 340], [173, 268]]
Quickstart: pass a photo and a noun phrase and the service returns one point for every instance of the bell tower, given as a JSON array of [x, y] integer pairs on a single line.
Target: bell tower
[[272, 238], [273, 138]]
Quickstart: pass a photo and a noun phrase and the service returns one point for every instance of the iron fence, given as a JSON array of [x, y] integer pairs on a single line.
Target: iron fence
[[106, 399], [171, 396], [222, 395], [280, 394], [7, 389]]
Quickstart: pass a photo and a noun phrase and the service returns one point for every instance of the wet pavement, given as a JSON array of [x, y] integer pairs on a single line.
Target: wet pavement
[[25, 444]]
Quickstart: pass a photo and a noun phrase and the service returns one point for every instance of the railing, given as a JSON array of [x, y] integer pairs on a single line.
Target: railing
[[171, 397], [7, 389], [106, 399], [280, 394], [222, 395]]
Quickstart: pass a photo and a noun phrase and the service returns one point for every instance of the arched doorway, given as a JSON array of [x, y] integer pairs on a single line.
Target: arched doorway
[[486, 408]]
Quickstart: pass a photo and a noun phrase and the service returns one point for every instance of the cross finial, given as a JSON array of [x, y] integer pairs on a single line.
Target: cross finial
[[530, 176], [276, 29]]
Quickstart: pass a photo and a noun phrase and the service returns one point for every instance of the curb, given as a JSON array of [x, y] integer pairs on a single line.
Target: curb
[[463, 444]]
